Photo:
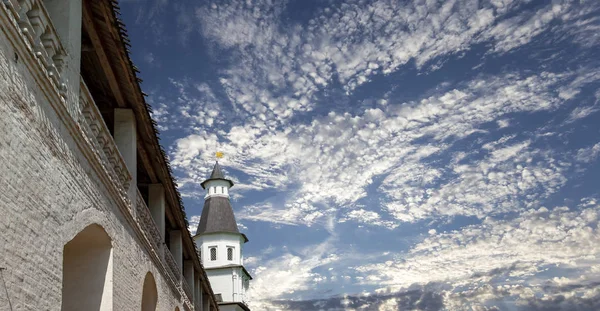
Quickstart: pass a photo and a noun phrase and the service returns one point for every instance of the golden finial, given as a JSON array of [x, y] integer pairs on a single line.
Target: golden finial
[[219, 154]]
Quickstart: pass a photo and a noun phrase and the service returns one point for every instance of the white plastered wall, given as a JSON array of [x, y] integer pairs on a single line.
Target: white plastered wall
[[217, 188], [51, 191], [226, 281], [221, 241]]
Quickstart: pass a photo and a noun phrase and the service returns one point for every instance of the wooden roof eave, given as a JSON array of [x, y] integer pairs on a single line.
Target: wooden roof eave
[[114, 83], [128, 93]]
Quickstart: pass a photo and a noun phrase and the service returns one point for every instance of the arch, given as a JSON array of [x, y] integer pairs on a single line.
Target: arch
[[149, 293], [87, 271], [82, 220], [176, 308]]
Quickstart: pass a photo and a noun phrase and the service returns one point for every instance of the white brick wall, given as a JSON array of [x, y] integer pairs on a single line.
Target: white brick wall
[[48, 193]]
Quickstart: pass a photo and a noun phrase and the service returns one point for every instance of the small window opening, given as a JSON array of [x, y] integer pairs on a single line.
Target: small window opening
[[230, 253], [213, 253]]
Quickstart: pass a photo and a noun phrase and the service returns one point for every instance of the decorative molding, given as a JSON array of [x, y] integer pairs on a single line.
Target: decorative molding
[[147, 223], [172, 266], [188, 294], [98, 137], [28, 27], [37, 30]]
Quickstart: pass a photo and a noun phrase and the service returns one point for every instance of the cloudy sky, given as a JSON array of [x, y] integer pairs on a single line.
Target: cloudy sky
[[390, 155]]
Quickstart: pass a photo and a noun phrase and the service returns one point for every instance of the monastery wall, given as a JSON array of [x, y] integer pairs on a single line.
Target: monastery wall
[[50, 192]]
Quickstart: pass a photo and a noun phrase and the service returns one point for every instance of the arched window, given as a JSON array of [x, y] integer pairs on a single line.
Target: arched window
[[149, 293], [213, 253], [230, 253], [87, 271], [223, 190]]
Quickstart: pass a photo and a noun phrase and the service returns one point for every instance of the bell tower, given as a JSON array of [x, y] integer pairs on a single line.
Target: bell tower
[[221, 244]]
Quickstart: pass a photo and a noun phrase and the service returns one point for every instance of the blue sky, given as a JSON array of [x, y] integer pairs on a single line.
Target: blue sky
[[424, 155]]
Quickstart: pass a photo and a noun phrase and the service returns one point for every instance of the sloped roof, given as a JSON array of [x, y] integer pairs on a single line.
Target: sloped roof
[[217, 216], [114, 41], [217, 174]]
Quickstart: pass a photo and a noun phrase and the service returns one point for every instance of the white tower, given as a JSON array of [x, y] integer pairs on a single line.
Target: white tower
[[221, 244]]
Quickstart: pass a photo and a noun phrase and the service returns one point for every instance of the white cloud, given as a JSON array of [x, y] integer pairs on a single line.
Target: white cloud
[[193, 224], [334, 158], [589, 154], [530, 243], [292, 213], [292, 272], [474, 266], [149, 58], [368, 217], [519, 30], [508, 178], [279, 68], [503, 123], [581, 112], [432, 158]]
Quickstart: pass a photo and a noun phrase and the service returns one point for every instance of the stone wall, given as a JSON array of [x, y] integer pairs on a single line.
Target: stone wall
[[49, 192]]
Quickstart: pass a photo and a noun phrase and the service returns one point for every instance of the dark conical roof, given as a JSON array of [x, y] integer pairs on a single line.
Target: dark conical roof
[[217, 213], [217, 174], [217, 216]]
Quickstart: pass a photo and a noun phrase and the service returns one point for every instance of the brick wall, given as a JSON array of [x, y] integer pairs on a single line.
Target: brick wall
[[49, 193]]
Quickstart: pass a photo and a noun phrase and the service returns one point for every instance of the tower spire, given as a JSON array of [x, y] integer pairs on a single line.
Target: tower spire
[[217, 174], [217, 213], [221, 243]]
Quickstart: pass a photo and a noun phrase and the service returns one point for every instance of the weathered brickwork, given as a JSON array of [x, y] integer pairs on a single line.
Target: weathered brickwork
[[49, 192]]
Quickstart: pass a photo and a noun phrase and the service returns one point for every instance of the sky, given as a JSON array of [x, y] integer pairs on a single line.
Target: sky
[[389, 155]]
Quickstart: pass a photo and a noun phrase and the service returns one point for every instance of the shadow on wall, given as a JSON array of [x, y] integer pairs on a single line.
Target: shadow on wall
[[149, 294], [87, 271]]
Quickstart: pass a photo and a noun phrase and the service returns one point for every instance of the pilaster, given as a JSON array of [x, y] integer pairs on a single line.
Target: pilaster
[[125, 136], [188, 274], [177, 248], [157, 205], [206, 302]]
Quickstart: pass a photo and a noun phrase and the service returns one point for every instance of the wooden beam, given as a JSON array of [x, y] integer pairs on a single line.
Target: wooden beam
[[112, 79], [148, 145], [146, 160], [141, 115], [150, 140], [90, 28]]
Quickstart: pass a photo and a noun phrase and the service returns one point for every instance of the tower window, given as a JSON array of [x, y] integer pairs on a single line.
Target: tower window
[[223, 190], [213, 253], [230, 253]]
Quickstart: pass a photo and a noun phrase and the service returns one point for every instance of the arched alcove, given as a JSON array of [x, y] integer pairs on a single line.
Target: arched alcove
[[176, 308], [149, 293], [87, 271]]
